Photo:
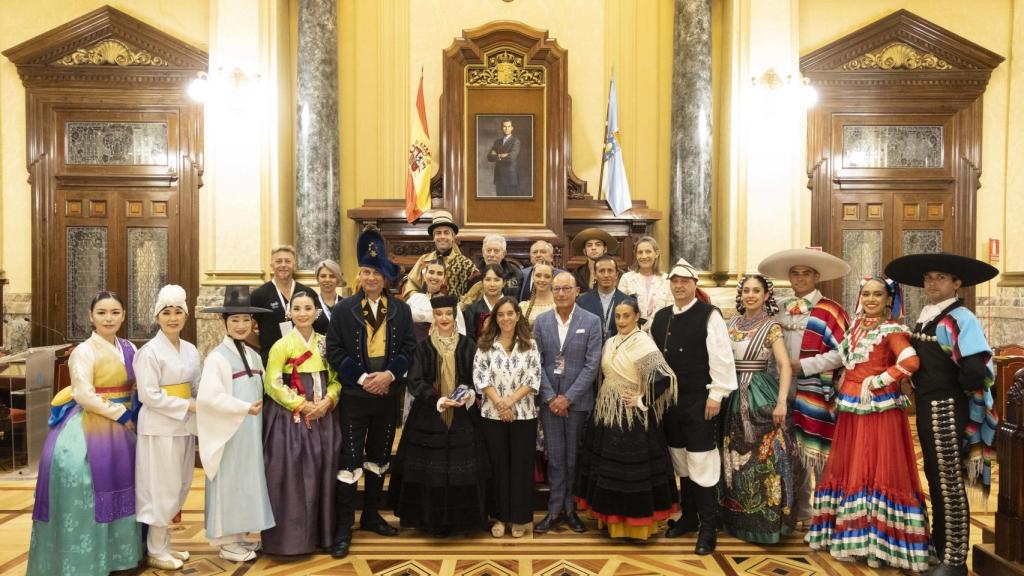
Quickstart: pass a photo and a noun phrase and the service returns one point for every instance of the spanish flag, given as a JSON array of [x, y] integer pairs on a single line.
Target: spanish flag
[[417, 181]]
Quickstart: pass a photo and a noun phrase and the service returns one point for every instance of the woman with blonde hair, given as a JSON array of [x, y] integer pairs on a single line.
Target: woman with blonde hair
[[541, 297], [645, 281], [328, 278]]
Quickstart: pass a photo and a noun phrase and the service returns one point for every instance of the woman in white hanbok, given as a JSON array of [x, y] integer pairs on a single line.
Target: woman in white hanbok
[[167, 377], [231, 434]]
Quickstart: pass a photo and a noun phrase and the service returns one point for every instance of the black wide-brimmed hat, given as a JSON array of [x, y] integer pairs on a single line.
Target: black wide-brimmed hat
[[372, 252], [910, 269], [441, 218], [236, 301]]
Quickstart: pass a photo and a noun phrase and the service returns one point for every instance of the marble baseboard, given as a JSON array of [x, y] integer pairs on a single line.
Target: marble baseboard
[[209, 327], [1002, 315], [17, 308]]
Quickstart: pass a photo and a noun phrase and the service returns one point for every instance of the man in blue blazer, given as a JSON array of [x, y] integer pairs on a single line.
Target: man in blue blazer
[[605, 295], [569, 341]]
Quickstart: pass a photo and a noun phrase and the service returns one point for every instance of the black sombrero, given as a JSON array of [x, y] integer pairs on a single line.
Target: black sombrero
[[910, 269], [236, 301]]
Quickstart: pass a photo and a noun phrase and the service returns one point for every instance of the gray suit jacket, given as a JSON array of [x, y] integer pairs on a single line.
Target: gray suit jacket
[[582, 351]]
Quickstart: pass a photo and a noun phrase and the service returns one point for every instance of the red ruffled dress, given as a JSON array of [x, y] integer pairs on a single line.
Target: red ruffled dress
[[868, 503]]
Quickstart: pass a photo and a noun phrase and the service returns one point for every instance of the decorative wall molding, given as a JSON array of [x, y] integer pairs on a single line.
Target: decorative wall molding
[[505, 67], [895, 56], [110, 53]]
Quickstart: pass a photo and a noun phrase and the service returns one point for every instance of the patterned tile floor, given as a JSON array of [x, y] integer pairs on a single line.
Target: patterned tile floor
[[560, 553]]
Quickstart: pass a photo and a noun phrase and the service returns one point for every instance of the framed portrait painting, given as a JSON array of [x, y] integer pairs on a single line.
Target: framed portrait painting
[[504, 155]]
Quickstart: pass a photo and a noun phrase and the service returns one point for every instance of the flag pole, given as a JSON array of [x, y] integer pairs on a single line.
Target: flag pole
[[607, 108]]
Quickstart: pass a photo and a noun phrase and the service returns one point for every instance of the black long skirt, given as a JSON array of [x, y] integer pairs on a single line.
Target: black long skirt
[[624, 476], [439, 475]]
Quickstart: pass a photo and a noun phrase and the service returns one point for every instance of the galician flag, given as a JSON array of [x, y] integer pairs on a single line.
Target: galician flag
[[614, 183], [417, 181]]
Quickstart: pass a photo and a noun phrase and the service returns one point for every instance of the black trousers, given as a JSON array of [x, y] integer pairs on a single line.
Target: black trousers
[[511, 446], [367, 433], [941, 425]]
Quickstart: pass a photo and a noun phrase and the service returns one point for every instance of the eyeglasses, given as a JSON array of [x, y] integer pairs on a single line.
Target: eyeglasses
[[563, 288]]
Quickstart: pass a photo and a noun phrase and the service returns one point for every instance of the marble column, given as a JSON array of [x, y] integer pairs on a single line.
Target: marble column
[[317, 186], [690, 164]]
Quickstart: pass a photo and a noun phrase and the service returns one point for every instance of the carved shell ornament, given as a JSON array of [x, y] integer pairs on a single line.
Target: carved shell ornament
[[504, 67], [111, 53], [896, 56]]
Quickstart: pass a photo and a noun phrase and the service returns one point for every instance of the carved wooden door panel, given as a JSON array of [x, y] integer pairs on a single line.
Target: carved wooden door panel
[[118, 240], [872, 227]]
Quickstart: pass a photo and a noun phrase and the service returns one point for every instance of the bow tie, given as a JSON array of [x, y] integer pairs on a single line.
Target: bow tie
[[798, 306]]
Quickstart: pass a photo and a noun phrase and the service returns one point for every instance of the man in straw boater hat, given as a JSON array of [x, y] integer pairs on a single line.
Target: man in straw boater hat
[[370, 343], [953, 392], [694, 339], [458, 267], [811, 325], [592, 243]]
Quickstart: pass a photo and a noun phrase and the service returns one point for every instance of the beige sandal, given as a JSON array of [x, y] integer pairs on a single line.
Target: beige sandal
[[498, 529], [519, 530]]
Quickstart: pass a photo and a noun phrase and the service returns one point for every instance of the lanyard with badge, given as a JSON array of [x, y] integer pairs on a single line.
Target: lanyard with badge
[[323, 306], [560, 360], [287, 325]]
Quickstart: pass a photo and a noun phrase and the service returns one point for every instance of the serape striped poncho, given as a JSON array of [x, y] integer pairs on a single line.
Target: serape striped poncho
[[814, 411]]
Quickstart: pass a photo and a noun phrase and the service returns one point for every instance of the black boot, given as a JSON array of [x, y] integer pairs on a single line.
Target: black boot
[[688, 522], [708, 508], [371, 520]]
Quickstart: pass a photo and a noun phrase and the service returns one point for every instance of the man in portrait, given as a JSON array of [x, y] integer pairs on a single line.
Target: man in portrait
[[504, 154]]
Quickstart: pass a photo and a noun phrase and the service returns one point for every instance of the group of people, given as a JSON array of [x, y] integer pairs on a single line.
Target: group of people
[[786, 416]]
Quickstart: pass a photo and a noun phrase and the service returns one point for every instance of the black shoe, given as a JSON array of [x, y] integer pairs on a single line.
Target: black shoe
[[677, 528], [340, 547], [575, 524], [379, 526], [707, 539], [947, 570], [546, 524]]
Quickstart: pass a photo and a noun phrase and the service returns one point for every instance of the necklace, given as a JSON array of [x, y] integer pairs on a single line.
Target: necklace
[[744, 324]]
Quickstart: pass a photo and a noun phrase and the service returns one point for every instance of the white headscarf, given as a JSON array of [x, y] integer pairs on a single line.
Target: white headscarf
[[170, 295]]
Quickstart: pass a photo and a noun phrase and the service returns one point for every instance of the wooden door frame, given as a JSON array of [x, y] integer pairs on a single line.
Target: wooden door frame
[[899, 65], [68, 67]]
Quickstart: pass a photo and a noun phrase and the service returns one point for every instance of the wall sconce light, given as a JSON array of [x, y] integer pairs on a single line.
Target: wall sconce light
[[199, 88], [798, 89], [232, 84]]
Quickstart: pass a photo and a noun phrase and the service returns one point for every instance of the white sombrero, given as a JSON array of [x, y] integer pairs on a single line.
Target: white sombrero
[[828, 266]]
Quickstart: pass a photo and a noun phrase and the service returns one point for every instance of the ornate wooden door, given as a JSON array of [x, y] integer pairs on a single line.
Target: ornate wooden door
[[894, 145], [115, 151]]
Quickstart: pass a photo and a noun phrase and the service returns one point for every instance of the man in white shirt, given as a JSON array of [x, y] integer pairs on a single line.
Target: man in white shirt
[[694, 339]]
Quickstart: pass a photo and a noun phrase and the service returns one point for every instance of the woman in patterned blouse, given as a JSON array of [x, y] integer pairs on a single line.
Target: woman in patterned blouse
[[506, 372]]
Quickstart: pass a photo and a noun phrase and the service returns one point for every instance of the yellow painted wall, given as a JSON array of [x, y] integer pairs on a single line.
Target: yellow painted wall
[[383, 45], [989, 23], [21, 21]]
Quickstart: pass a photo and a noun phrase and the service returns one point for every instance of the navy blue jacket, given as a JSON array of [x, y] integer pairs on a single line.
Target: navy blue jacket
[[346, 343]]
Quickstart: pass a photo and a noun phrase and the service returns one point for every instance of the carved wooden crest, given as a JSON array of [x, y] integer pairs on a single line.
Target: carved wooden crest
[[901, 49], [103, 45], [504, 67]]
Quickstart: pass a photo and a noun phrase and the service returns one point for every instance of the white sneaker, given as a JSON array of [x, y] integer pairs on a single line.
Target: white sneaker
[[236, 553], [182, 555], [164, 563], [254, 545]]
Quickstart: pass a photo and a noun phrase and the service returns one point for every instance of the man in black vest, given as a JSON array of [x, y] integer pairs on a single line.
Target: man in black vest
[[370, 343], [952, 392], [694, 339]]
